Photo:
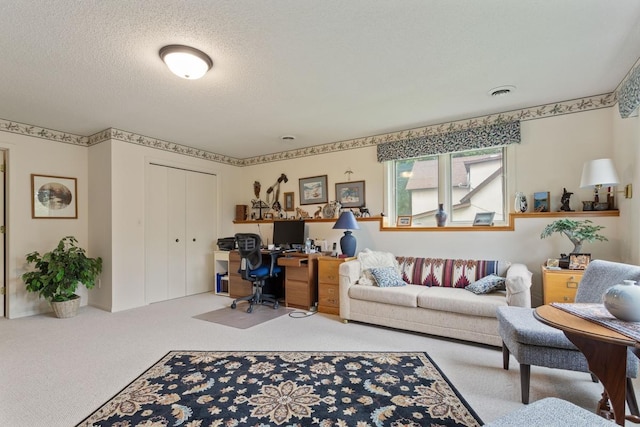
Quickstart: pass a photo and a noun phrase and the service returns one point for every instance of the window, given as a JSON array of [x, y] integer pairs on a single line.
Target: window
[[465, 183]]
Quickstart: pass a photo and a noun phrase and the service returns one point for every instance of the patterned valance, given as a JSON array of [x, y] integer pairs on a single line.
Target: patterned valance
[[460, 140], [629, 94]]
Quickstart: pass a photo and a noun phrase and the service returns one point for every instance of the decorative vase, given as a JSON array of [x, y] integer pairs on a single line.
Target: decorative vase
[[520, 204], [441, 216], [623, 301]]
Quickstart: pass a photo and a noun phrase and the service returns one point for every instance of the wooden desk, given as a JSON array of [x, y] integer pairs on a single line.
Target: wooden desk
[[605, 350], [300, 279]]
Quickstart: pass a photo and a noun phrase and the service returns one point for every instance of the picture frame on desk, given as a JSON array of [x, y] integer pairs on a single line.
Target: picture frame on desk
[[579, 261], [404, 221]]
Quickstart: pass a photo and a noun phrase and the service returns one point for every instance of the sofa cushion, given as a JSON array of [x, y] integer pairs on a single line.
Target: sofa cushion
[[487, 285], [460, 301], [451, 273], [406, 296], [387, 277]]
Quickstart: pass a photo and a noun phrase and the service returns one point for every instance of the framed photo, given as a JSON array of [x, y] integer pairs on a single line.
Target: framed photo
[[484, 218], [53, 197], [541, 201], [289, 205], [404, 221], [313, 190], [350, 194], [579, 261]]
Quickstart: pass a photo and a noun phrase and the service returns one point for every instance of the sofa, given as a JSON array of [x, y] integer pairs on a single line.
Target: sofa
[[432, 295]]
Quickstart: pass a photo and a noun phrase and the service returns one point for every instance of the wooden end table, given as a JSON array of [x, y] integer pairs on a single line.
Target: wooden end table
[[606, 354]]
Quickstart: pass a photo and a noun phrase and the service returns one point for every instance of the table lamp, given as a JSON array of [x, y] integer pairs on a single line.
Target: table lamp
[[347, 221], [597, 174]]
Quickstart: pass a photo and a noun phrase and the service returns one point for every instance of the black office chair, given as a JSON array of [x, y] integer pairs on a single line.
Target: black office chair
[[251, 269]]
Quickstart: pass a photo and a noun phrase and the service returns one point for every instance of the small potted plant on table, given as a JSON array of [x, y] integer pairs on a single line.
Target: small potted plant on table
[[58, 273], [577, 232]]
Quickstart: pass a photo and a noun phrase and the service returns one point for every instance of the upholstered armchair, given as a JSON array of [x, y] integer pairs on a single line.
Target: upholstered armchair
[[534, 343]]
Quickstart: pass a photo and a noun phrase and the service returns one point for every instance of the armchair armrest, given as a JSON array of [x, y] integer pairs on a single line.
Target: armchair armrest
[[349, 273], [518, 283]]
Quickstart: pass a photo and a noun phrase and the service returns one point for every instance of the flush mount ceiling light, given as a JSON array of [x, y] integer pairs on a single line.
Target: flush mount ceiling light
[[186, 62], [502, 90]]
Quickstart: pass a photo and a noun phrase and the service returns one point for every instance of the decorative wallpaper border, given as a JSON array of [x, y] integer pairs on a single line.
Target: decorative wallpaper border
[[539, 112]]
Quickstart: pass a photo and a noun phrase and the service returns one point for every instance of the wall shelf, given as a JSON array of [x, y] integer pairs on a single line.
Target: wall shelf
[[466, 228]]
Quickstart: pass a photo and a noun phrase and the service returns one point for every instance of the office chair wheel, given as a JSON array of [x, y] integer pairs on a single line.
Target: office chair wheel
[[275, 305], [233, 305], [250, 309]]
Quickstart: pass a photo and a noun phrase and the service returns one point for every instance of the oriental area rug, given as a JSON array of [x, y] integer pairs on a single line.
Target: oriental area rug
[[205, 389]]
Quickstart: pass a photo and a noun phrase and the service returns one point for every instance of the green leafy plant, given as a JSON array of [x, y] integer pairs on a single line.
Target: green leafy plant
[[58, 273], [577, 231]]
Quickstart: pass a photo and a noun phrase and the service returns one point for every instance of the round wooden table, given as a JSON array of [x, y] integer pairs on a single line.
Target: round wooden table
[[605, 351]]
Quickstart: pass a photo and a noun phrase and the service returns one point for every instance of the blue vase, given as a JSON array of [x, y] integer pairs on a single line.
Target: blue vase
[[623, 301], [441, 216], [348, 244]]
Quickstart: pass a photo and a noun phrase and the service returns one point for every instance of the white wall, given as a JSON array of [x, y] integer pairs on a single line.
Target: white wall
[[27, 155], [626, 137], [549, 158]]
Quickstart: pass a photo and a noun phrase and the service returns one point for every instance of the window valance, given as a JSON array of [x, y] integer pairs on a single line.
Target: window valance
[[629, 94], [461, 140]]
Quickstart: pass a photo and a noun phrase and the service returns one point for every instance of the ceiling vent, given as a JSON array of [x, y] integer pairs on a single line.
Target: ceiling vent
[[502, 90]]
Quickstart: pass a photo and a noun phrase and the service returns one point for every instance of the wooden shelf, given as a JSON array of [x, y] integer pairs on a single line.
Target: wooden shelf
[[269, 221], [565, 214]]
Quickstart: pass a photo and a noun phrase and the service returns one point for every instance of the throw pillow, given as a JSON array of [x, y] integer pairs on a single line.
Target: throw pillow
[[371, 259], [387, 277], [487, 284]]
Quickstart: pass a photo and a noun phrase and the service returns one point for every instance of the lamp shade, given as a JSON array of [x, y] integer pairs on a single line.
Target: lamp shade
[[348, 243], [600, 172], [186, 62]]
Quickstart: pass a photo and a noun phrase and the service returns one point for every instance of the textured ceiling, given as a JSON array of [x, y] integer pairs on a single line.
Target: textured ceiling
[[323, 71]]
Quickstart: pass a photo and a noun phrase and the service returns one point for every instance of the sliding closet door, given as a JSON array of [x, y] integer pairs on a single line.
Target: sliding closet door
[[176, 186], [201, 232], [180, 232], [156, 231]]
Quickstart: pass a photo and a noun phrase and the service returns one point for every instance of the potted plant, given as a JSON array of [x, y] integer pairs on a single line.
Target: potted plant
[[58, 273], [577, 232]]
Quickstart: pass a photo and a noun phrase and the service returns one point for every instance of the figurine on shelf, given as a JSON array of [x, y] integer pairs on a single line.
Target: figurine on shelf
[[566, 196], [317, 214], [364, 211]]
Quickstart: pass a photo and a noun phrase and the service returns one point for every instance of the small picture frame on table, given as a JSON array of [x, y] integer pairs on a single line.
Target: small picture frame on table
[[541, 201], [404, 221], [579, 261], [484, 219]]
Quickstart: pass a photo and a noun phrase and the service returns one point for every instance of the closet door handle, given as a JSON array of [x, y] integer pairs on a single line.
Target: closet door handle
[[194, 239], [177, 240]]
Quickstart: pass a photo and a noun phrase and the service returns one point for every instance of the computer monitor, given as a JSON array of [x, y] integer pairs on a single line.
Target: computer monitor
[[288, 234]]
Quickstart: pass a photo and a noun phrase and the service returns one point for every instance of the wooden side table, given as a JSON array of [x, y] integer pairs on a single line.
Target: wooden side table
[[328, 284], [560, 285]]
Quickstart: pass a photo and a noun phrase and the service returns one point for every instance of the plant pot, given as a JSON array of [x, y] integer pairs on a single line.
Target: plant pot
[[65, 309]]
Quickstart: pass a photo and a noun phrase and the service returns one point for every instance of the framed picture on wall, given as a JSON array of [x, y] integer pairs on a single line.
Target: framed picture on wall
[[54, 197], [289, 205], [350, 194], [313, 190]]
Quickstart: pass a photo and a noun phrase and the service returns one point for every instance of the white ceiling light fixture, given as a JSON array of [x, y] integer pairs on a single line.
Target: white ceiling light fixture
[[185, 61]]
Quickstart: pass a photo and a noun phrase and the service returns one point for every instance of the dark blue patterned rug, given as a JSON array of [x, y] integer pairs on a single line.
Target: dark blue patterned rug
[[204, 389]]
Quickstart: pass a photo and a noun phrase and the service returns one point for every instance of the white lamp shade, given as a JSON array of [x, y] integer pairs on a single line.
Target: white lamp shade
[[185, 61], [599, 172]]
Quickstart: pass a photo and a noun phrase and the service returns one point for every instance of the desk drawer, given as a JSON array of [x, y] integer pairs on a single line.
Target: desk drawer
[[328, 295], [298, 294], [560, 286], [328, 272], [297, 273]]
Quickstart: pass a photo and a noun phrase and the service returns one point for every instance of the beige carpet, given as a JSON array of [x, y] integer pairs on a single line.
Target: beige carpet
[[239, 318]]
